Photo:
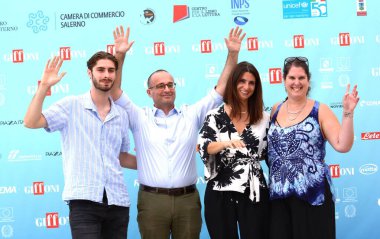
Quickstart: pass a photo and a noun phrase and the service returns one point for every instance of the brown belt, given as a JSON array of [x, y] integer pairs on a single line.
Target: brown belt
[[169, 191]]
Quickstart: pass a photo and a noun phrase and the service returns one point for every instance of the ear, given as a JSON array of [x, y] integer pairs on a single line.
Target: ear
[[148, 91], [89, 73]]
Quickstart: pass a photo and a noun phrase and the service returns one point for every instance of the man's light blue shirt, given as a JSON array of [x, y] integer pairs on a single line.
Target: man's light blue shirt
[[90, 149], [166, 144]]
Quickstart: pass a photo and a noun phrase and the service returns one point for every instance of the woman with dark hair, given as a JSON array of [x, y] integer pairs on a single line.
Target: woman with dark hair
[[231, 143], [302, 205]]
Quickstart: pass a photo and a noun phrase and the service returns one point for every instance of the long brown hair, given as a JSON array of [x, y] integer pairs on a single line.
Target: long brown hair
[[255, 101]]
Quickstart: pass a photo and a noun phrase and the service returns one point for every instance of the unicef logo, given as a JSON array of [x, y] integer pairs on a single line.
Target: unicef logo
[[368, 169], [350, 211], [147, 17], [37, 22]]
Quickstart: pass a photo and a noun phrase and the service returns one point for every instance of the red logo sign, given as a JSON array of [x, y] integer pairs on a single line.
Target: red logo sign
[[52, 220], [38, 188], [370, 135], [252, 44], [159, 48], [206, 46], [48, 93], [65, 53], [344, 39], [111, 49], [18, 56], [180, 12], [334, 170], [298, 41], [275, 76]]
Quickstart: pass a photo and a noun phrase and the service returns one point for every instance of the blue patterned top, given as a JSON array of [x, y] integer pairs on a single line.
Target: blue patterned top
[[296, 159]]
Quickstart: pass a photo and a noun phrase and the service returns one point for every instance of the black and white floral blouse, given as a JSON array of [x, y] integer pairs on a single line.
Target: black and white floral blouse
[[234, 169]]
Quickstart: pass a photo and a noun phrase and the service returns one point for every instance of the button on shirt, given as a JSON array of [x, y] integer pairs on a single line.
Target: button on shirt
[[165, 144], [90, 149]]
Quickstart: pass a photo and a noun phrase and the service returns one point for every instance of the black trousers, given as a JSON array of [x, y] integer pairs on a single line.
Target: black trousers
[[91, 220], [293, 218], [228, 213]]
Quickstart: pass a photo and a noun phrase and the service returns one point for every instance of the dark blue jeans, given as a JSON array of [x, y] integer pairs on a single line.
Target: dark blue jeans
[[91, 220]]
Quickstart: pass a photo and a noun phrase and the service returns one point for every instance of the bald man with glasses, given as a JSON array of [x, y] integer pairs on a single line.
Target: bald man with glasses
[[165, 137]]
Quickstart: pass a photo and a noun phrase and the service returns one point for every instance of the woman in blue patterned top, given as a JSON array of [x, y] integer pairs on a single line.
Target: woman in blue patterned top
[[231, 143], [302, 202]]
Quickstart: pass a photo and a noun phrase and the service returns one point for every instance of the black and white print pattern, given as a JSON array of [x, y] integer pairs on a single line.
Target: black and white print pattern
[[234, 169]]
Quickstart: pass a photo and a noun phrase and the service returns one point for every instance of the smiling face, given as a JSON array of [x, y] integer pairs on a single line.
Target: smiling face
[[103, 75], [245, 86], [163, 98], [297, 82]]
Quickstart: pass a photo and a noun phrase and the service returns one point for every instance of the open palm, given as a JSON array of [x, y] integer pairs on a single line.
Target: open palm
[[50, 75], [121, 39], [234, 39]]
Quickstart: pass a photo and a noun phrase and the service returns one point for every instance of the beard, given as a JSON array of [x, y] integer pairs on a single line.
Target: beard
[[99, 86]]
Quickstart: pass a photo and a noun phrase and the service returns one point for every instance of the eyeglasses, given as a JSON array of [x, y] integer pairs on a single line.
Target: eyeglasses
[[161, 86], [290, 60]]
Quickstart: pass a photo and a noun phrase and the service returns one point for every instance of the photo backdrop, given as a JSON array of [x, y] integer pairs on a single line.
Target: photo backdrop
[[340, 38]]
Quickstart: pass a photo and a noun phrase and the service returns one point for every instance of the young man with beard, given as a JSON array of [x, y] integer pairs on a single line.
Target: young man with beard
[[95, 145]]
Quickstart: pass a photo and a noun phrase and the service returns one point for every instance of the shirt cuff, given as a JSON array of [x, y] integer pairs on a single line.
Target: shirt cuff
[[123, 100]]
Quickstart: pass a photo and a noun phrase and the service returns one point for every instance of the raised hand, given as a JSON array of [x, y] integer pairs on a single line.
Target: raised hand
[[122, 43], [350, 100], [50, 75], [234, 39]]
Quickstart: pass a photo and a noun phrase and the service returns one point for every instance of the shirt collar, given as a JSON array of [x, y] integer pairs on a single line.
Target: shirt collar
[[160, 113], [89, 104]]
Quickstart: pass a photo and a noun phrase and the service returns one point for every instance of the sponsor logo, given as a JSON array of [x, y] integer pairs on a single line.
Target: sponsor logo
[[350, 211], [375, 72], [159, 48], [53, 154], [11, 122], [298, 41], [370, 135], [336, 171], [37, 22], [350, 194], [64, 53], [206, 46], [343, 80], [6, 214], [7, 231], [15, 156], [40, 188], [4, 27], [180, 12], [252, 44], [52, 220], [368, 169], [275, 76], [326, 65], [18, 56], [8, 190], [344, 39], [111, 49], [304, 8], [147, 17], [78, 20], [61, 88], [240, 20], [212, 71], [336, 105], [361, 8], [364, 103]]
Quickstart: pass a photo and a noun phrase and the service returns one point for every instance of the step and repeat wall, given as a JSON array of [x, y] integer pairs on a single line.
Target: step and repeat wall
[[340, 38]]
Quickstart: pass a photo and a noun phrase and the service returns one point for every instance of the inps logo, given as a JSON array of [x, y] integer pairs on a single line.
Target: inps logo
[[52, 220], [238, 4], [159, 48], [206, 46], [252, 44], [298, 41], [18, 56], [65, 53], [111, 49], [335, 170], [38, 188], [275, 76], [344, 39]]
